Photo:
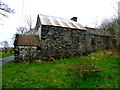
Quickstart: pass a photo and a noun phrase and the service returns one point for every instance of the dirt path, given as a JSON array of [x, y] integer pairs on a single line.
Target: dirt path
[[6, 59]]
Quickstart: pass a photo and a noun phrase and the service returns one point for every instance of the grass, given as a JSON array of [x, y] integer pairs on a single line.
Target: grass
[[2, 55], [66, 73]]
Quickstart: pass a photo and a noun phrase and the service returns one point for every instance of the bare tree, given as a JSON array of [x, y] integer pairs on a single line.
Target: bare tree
[[4, 8], [95, 23], [13, 39], [21, 30], [29, 25], [5, 45], [29, 22], [111, 25]]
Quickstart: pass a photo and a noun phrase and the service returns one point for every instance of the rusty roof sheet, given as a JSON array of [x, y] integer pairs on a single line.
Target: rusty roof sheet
[[26, 40], [61, 22]]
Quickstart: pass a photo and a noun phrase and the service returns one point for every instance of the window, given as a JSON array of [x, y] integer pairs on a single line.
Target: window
[[38, 48], [93, 41]]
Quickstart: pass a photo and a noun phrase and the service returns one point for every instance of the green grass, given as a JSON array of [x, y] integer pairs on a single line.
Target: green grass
[[66, 73], [2, 55]]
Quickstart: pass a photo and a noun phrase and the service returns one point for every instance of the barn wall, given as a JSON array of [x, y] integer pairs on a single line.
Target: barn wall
[[62, 43], [65, 42], [25, 53]]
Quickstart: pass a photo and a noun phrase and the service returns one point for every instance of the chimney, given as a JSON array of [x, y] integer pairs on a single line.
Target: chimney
[[74, 19]]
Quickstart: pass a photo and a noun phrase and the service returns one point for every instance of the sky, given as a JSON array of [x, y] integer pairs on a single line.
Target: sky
[[89, 12]]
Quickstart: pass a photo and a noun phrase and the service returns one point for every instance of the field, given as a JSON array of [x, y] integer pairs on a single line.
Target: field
[[2, 55], [97, 70]]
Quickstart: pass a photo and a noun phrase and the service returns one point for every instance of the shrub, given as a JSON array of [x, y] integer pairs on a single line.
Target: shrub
[[83, 68]]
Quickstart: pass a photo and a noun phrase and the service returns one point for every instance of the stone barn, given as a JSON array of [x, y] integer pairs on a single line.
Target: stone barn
[[57, 38]]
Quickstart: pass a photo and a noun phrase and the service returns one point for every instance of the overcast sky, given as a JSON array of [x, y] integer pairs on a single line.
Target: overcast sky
[[89, 12]]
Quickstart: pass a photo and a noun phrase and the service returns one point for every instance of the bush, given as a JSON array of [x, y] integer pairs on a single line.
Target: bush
[[83, 68]]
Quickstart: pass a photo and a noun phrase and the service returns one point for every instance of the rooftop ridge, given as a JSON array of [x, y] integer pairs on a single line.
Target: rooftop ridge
[[62, 22], [57, 17]]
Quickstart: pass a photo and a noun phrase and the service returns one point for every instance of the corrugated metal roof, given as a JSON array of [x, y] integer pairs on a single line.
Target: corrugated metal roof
[[26, 40], [61, 22]]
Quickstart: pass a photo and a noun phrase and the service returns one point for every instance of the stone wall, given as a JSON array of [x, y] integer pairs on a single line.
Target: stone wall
[[25, 53], [58, 42], [65, 42]]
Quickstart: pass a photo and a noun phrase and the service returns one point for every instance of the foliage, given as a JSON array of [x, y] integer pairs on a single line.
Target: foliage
[[62, 73]]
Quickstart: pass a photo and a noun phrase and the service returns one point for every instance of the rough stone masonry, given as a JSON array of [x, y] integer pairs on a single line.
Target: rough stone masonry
[[58, 42]]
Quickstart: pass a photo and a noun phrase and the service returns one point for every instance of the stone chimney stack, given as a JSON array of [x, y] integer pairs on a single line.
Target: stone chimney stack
[[74, 19]]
